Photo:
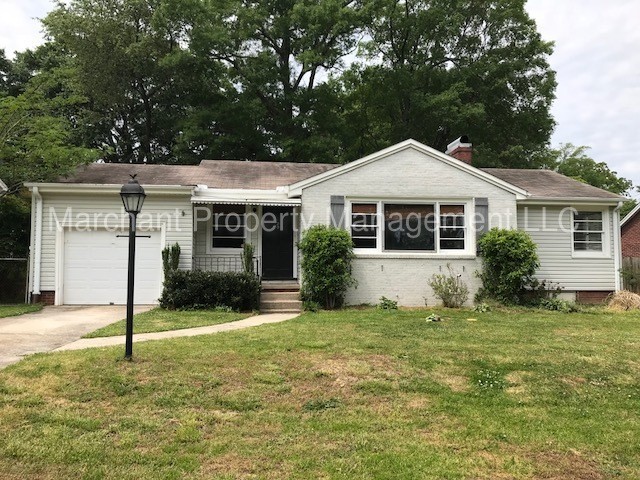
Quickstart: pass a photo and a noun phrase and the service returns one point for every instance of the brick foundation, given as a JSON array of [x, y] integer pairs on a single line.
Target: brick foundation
[[592, 297], [45, 297]]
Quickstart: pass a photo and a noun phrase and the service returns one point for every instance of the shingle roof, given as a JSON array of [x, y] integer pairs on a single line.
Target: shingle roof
[[548, 184], [213, 173]]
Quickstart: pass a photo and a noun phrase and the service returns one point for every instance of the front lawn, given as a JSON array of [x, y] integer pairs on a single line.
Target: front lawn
[[160, 320], [20, 309], [362, 394]]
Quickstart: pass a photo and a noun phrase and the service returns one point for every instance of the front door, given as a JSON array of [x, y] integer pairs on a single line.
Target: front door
[[277, 243]]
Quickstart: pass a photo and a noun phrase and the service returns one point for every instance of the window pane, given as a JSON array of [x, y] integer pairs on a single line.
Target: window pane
[[409, 227], [226, 242], [588, 216], [451, 209], [446, 244], [359, 219], [588, 232], [364, 242], [371, 208], [363, 231]]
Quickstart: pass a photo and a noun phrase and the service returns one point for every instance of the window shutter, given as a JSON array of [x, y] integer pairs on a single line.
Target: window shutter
[[337, 211], [482, 216]]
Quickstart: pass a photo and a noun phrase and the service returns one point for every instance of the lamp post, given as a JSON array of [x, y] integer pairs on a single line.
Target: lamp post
[[133, 197]]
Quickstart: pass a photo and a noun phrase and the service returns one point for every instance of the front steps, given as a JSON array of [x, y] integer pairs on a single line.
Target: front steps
[[282, 296]]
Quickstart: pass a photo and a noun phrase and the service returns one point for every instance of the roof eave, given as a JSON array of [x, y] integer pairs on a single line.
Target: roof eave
[[572, 200], [106, 188], [630, 215]]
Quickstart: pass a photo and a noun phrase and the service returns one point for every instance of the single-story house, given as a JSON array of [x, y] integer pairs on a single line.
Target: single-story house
[[630, 234], [412, 211]]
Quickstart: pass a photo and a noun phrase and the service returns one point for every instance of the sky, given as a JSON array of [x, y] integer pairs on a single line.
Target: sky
[[596, 60]]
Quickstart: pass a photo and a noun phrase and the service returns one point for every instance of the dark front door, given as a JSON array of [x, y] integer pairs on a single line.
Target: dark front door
[[277, 243]]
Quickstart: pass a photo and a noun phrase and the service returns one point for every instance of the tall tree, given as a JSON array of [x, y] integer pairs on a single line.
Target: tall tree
[[573, 161], [131, 63], [446, 67], [278, 54]]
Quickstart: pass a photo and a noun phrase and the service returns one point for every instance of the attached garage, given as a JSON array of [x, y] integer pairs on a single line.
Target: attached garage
[[94, 268]]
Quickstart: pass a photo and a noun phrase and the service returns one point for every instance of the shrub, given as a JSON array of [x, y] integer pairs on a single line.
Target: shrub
[[170, 258], [247, 257], [557, 304], [206, 290], [327, 253], [449, 288], [387, 304], [509, 263]]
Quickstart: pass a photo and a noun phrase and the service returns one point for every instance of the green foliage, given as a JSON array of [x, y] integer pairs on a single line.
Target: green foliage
[[311, 306], [327, 254], [449, 288], [557, 305], [170, 258], [482, 307], [627, 207], [573, 161], [207, 290], [387, 304], [508, 264], [247, 257]]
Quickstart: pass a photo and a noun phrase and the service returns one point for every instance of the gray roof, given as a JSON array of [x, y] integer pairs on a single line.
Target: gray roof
[[213, 173], [549, 184]]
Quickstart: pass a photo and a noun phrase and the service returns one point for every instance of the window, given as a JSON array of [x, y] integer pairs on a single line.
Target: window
[[364, 225], [228, 226], [452, 227], [588, 232], [432, 227], [409, 227]]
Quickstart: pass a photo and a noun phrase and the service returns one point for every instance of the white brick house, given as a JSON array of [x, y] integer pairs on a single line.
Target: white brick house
[[410, 209]]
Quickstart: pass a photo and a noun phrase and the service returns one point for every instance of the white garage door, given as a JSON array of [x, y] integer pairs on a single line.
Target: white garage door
[[95, 268]]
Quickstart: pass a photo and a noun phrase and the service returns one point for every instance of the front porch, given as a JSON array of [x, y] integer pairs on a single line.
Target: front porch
[[223, 223]]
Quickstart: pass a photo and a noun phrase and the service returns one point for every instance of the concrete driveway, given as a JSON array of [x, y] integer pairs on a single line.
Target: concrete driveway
[[53, 327]]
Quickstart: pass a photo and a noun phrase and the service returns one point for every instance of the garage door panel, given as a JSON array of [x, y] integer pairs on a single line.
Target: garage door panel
[[95, 268]]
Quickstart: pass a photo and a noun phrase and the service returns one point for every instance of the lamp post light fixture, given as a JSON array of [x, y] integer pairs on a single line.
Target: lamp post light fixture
[[133, 197]]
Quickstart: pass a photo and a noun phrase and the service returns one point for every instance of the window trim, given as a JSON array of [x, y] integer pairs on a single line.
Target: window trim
[[606, 233], [211, 250], [469, 250]]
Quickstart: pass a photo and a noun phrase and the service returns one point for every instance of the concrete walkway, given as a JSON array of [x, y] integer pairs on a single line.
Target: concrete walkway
[[187, 332], [52, 327]]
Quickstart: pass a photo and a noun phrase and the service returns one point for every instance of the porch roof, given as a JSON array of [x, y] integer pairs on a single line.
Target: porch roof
[[275, 198]]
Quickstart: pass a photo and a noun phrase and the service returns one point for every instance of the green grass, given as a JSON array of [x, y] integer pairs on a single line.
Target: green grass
[[159, 320], [13, 310], [356, 394]]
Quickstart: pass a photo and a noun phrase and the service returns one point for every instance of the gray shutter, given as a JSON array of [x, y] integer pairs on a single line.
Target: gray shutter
[[337, 211], [482, 216]]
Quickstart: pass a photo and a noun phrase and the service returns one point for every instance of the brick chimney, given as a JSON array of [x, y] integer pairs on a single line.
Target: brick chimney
[[461, 149]]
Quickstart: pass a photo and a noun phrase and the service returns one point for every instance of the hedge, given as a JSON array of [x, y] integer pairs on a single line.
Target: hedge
[[197, 289]]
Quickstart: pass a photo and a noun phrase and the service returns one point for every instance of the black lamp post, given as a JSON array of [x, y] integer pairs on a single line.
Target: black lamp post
[[132, 197]]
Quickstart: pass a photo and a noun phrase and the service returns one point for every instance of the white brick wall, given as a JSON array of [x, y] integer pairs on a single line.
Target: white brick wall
[[408, 174]]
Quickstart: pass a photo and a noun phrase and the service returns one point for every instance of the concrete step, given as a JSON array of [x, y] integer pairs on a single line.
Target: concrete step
[[278, 296], [281, 306], [280, 285]]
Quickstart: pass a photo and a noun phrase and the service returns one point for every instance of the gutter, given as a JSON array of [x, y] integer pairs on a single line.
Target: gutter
[[36, 215], [617, 247], [107, 188]]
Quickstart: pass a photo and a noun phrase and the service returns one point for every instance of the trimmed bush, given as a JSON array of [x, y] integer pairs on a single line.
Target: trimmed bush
[[171, 258], [205, 290], [327, 253], [509, 263]]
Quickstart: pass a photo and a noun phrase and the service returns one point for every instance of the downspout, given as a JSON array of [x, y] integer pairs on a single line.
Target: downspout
[[32, 232], [37, 247], [617, 251]]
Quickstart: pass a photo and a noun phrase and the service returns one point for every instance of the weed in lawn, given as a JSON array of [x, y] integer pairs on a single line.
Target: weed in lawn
[[319, 404]]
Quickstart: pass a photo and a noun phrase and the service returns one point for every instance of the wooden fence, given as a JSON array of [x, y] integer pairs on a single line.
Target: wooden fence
[[631, 274]]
